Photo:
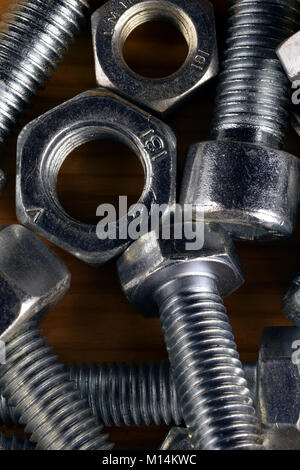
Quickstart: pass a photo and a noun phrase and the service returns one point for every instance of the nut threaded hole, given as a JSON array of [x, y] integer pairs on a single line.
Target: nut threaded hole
[[155, 49]]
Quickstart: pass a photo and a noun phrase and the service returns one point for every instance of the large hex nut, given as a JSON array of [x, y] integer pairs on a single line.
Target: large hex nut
[[45, 143], [32, 278], [112, 24]]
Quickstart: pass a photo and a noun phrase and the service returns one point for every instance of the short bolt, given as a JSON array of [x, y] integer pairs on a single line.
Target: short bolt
[[185, 288]]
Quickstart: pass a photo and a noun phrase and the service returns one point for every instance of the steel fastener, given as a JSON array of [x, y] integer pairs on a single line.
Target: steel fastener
[[185, 289], [89, 116], [242, 180], [113, 22]]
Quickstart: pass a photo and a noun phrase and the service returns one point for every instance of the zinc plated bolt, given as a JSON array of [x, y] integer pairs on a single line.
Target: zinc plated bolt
[[33, 36], [185, 288], [127, 394], [242, 179]]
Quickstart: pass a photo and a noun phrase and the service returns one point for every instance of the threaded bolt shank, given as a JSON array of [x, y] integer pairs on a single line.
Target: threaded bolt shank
[[253, 95], [209, 379], [43, 397], [33, 36]]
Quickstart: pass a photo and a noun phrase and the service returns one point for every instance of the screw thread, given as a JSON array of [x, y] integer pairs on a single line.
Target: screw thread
[[253, 95], [209, 379], [13, 443], [33, 36], [129, 394], [43, 397]]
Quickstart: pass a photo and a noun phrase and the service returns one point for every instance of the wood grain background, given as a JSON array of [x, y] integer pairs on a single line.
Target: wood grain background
[[94, 322]]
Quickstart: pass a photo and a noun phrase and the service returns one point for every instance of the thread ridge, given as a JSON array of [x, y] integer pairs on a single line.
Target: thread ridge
[[209, 379], [43, 397]]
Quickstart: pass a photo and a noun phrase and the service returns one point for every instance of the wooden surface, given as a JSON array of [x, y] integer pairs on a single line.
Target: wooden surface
[[94, 322]]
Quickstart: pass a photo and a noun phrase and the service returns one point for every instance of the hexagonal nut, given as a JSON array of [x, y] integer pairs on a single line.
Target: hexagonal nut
[[44, 144], [32, 278], [113, 22], [288, 53], [151, 261]]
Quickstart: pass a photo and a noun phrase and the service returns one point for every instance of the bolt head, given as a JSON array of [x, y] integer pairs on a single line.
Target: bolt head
[[150, 261], [32, 279]]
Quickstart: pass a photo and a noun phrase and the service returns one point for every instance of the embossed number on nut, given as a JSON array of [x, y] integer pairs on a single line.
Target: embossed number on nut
[[111, 26], [45, 143]]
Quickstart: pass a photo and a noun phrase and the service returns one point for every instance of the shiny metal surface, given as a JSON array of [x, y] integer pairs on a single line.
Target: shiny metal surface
[[278, 387], [114, 21], [93, 115], [288, 53], [33, 37], [253, 191], [185, 289], [242, 179], [291, 301], [151, 262], [32, 278]]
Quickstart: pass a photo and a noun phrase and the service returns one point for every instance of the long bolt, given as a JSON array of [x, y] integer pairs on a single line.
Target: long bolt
[[43, 397], [33, 36], [127, 394], [253, 95]]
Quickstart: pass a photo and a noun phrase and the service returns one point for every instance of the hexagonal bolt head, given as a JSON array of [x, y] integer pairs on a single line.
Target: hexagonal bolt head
[[32, 279], [113, 22], [44, 144], [251, 190], [151, 262]]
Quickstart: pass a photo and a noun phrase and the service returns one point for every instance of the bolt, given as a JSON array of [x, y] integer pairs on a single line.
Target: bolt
[[127, 394], [32, 280], [242, 179], [33, 37], [185, 288]]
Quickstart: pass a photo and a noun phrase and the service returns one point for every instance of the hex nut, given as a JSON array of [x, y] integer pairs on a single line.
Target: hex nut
[[32, 278], [113, 22], [151, 261], [45, 143]]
